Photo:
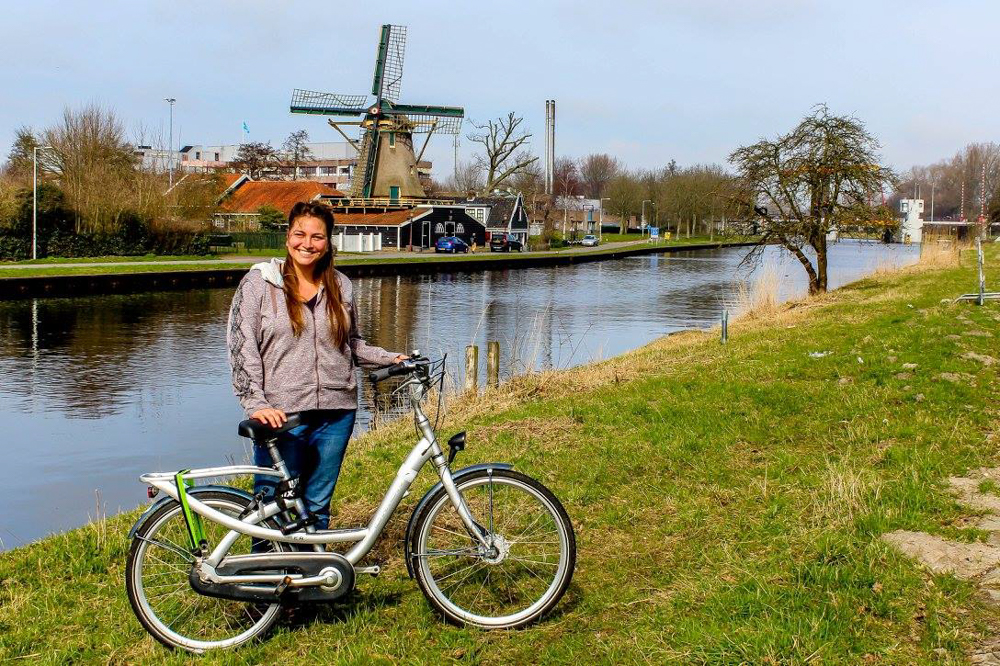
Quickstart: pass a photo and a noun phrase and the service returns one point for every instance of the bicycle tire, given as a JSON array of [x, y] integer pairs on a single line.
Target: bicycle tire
[[170, 516], [449, 604]]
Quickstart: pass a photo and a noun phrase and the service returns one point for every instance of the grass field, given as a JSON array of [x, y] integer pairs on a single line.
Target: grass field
[[728, 503]]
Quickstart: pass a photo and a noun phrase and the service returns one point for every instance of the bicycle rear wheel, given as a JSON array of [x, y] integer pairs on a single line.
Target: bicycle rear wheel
[[523, 573], [159, 562]]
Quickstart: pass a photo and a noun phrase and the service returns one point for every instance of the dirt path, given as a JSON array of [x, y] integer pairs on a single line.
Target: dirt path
[[978, 562]]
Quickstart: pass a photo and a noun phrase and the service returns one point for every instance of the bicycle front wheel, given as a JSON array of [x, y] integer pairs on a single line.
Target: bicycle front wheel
[[163, 600], [521, 575]]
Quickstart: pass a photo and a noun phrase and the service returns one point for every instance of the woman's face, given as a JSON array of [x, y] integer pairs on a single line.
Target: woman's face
[[307, 241]]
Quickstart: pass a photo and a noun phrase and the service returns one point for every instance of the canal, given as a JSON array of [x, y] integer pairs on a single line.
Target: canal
[[96, 390]]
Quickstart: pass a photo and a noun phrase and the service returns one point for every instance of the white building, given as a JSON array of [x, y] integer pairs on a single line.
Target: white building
[[912, 225]]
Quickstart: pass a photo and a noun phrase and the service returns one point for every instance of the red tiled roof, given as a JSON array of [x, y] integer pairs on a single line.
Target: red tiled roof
[[229, 178], [251, 195], [392, 218]]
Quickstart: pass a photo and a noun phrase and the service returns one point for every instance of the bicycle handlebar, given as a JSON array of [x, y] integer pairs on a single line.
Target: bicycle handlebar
[[410, 365]]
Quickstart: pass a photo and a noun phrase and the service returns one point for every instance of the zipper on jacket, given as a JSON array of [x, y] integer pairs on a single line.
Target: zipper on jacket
[[316, 350]]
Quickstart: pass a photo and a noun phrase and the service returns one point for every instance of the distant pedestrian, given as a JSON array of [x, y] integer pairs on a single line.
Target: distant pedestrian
[[293, 344]]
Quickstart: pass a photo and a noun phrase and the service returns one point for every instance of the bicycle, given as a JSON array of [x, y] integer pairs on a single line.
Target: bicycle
[[211, 566]]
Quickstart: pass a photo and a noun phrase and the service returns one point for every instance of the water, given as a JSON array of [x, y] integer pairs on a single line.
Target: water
[[96, 390]]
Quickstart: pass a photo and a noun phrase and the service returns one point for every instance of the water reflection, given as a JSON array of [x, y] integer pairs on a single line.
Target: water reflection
[[96, 390]]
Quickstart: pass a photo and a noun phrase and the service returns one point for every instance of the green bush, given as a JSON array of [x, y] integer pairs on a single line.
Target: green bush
[[57, 237], [271, 219]]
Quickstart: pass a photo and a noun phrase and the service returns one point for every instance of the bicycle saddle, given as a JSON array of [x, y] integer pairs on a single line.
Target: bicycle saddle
[[260, 432]]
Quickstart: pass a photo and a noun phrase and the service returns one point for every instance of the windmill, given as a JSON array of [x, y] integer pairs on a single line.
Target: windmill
[[387, 162]]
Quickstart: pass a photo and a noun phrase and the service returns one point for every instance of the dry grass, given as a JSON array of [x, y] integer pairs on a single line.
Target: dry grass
[[759, 300], [940, 254]]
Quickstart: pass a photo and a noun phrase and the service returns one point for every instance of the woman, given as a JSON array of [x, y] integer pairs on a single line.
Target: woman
[[293, 340]]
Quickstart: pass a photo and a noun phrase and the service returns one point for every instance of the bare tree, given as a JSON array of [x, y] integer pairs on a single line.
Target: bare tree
[[596, 171], [296, 150], [95, 167], [255, 159], [825, 172], [566, 178], [626, 194], [504, 153]]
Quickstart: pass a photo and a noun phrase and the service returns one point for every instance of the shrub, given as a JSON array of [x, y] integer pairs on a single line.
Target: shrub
[[271, 219]]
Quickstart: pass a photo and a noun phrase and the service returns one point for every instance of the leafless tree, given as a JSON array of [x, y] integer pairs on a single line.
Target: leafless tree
[[626, 194], [566, 178], [504, 153], [255, 159], [296, 150], [95, 166], [596, 171], [823, 173]]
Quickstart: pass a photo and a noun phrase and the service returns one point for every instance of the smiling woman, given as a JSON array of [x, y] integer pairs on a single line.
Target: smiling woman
[[301, 357]]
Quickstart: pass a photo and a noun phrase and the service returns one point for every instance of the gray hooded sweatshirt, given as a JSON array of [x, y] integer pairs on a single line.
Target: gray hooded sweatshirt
[[274, 368]]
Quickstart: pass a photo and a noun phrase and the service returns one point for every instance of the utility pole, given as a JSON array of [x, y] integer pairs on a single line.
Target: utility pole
[[34, 199], [170, 148], [456, 160], [600, 232]]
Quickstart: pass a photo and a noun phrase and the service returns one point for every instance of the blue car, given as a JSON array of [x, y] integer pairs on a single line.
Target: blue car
[[451, 244]]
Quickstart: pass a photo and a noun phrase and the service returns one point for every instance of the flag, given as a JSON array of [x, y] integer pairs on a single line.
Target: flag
[[245, 128]]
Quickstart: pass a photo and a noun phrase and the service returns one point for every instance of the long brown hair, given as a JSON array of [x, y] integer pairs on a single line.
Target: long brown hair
[[337, 312]]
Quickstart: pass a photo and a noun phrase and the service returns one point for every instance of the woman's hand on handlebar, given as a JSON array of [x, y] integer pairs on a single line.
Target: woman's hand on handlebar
[[272, 417], [400, 358]]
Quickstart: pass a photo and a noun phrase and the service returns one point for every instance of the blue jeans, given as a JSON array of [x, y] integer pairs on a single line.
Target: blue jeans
[[313, 452]]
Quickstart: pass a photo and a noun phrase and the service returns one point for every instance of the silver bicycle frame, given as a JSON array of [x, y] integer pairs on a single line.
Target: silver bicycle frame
[[427, 448]]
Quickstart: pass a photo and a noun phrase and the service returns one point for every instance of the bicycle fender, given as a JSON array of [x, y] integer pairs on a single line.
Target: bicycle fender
[[457, 476], [191, 491]]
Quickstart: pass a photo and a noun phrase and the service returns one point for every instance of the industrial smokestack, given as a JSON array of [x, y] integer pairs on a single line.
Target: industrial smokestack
[[550, 145]]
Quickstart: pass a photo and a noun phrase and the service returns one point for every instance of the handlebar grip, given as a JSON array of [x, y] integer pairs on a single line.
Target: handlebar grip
[[392, 371]]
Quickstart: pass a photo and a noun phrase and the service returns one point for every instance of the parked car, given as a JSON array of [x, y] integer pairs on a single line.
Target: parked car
[[590, 240], [505, 243], [451, 244]]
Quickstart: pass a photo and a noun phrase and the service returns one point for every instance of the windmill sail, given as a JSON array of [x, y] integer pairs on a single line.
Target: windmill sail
[[389, 63], [327, 104]]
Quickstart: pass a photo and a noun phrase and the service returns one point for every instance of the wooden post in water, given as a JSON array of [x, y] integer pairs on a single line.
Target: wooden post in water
[[492, 363], [472, 368]]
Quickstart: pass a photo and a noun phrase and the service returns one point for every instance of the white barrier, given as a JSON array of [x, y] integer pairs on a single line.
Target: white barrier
[[358, 242]]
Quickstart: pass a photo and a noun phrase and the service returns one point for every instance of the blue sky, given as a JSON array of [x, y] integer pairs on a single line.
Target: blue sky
[[688, 80]]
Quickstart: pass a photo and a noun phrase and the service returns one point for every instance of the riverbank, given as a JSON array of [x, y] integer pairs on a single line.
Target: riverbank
[[69, 280], [729, 501]]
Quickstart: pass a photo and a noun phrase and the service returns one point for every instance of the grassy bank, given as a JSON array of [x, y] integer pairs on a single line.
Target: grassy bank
[[728, 502]]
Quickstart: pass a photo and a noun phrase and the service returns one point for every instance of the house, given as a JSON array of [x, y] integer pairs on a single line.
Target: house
[[329, 162], [411, 227], [240, 204], [500, 213]]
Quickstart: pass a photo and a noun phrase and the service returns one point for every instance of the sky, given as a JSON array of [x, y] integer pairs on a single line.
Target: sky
[[646, 81]]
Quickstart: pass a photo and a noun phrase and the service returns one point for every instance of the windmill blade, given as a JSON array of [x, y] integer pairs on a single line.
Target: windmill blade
[[389, 62], [327, 104], [419, 118]]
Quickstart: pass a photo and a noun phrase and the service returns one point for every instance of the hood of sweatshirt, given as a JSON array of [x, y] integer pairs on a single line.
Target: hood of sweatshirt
[[271, 271]]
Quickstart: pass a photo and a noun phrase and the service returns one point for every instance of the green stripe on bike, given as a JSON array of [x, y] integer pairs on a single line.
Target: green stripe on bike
[[195, 530]]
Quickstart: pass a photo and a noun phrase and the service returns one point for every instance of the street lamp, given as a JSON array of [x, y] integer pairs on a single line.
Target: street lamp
[[170, 148], [34, 199], [655, 207], [600, 231]]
